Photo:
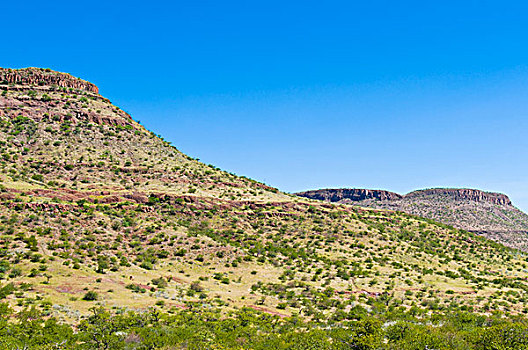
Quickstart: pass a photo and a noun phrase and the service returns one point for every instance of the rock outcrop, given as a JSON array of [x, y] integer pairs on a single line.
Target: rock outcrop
[[358, 194], [40, 94], [464, 194], [41, 77], [349, 194]]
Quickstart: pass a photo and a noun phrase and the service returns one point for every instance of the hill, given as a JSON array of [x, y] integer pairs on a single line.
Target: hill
[[490, 214], [96, 210]]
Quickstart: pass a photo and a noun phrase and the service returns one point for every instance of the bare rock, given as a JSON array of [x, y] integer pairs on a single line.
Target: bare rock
[[39, 76]]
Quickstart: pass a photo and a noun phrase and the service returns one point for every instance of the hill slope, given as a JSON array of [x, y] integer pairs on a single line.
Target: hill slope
[[93, 202], [490, 214]]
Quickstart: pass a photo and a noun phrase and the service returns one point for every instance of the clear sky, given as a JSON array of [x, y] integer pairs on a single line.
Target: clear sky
[[397, 95]]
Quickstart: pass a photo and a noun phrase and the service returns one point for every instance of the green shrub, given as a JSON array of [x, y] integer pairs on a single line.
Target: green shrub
[[90, 296]]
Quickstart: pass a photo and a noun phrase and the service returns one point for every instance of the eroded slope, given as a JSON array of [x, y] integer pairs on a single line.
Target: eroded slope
[[490, 214], [93, 202]]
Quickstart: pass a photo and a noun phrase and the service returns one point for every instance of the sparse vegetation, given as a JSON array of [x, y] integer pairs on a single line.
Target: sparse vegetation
[[96, 210]]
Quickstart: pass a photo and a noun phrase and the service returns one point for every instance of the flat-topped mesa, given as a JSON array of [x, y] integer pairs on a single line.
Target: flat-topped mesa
[[464, 194], [43, 94], [349, 194], [44, 77]]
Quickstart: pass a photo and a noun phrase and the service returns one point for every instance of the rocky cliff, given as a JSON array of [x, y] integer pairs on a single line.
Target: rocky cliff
[[358, 194], [42, 94], [349, 194], [464, 194], [44, 77]]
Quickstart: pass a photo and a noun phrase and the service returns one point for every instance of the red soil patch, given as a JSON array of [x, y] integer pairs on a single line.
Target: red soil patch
[[268, 311]]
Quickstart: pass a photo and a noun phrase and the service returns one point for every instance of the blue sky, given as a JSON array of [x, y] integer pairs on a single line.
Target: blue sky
[[304, 94]]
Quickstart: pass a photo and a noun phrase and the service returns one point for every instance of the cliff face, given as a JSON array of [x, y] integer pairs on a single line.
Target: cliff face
[[44, 77], [464, 194], [42, 94], [358, 194], [349, 194]]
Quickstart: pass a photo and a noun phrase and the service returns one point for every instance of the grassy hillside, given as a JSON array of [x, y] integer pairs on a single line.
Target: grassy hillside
[[489, 214], [96, 210]]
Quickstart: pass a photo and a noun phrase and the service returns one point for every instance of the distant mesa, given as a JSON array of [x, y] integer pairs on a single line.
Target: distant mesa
[[490, 214], [358, 194], [349, 194], [464, 194]]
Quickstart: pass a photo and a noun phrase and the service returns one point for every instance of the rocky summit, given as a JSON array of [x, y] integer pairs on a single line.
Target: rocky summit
[[490, 214], [111, 238], [44, 79]]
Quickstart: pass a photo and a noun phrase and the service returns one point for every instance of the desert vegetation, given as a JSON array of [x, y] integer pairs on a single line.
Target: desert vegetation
[[111, 238]]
